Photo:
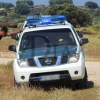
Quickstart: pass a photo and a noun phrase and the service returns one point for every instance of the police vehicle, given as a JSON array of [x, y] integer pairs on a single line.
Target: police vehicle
[[49, 50]]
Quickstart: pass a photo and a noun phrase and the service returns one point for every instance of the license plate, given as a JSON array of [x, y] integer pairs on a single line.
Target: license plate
[[49, 77]]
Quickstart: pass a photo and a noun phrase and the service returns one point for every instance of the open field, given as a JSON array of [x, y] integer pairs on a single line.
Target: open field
[[92, 49], [8, 92]]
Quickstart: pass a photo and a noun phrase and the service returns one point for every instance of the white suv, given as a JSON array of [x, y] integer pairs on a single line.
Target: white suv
[[49, 52]]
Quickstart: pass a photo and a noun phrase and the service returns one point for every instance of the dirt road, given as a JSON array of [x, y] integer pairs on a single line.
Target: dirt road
[[5, 60], [93, 69]]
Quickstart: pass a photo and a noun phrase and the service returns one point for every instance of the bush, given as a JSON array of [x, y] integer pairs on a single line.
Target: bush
[[22, 9], [91, 4], [52, 2], [75, 15], [14, 16], [3, 13], [12, 24], [19, 25], [8, 23]]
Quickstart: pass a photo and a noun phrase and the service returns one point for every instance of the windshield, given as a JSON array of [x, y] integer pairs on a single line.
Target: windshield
[[47, 38]]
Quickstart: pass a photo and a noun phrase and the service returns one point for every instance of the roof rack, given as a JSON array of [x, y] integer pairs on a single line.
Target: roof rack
[[45, 19]]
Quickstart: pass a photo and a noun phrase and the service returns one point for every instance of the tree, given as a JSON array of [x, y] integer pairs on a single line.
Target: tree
[[75, 15], [97, 12], [1, 4], [91, 4], [13, 16], [30, 3], [18, 2], [3, 13], [22, 9], [51, 2], [8, 5]]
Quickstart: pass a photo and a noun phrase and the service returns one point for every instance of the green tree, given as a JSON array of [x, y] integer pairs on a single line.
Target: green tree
[[91, 4], [97, 12], [8, 5], [75, 15], [3, 13], [30, 3], [22, 9], [18, 2], [51, 2], [1, 4], [13, 16]]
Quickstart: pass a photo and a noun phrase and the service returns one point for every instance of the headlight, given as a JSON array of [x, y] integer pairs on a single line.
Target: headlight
[[22, 63], [74, 58]]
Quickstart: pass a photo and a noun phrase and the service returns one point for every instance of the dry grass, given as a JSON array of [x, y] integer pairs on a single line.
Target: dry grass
[[8, 92], [92, 49]]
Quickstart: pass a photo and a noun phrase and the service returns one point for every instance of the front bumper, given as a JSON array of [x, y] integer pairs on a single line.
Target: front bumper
[[66, 72]]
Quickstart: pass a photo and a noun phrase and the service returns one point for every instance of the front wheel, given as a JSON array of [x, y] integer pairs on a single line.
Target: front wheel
[[84, 83], [16, 85]]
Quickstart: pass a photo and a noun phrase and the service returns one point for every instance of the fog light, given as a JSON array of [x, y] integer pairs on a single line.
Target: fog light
[[76, 72], [22, 77]]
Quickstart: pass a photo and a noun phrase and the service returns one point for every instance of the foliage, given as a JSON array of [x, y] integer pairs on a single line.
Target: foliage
[[75, 15], [3, 13], [8, 23], [1, 4], [8, 5], [51, 2], [97, 12], [19, 2], [19, 25], [37, 9], [14, 16], [30, 3], [91, 4], [22, 9]]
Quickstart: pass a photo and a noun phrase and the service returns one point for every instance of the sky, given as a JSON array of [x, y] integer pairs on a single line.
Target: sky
[[39, 2]]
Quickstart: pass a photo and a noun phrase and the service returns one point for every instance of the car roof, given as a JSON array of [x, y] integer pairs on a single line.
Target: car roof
[[47, 27]]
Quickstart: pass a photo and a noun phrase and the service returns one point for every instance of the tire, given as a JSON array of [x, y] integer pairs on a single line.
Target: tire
[[81, 85], [84, 83], [16, 85]]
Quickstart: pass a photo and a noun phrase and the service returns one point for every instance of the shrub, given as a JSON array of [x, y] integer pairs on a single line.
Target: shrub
[[3, 13], [75, 15], [14, 16]]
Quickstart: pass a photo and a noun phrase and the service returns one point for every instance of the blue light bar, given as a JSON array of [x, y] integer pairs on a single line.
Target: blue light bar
[[34, 22], [33, 17], [46, 19]]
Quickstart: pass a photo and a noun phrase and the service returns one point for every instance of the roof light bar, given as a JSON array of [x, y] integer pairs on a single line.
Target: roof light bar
[[33, 17], [45, 20]]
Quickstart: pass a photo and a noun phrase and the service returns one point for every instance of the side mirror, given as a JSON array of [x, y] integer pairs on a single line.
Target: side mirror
[[83, 41], [80, 35], [15, 37], [12, 48]]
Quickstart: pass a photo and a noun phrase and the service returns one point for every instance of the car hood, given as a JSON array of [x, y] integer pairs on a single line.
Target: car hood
[[48, 52]]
